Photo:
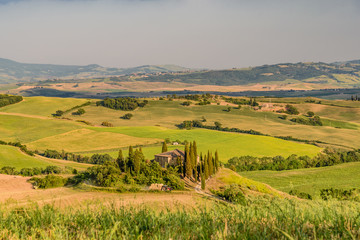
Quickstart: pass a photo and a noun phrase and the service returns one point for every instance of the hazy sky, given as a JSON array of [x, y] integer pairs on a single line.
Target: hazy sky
[[191, 33]]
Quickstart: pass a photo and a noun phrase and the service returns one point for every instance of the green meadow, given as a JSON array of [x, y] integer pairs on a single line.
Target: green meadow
[[12, 156], [310, 180]]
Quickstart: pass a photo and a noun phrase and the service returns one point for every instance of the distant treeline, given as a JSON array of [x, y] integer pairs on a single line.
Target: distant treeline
[[241, 101], [94, 159], [37, 171], [6, 99], [22, 147], [218, 126], [123, 103], [59, 113], [279, 163]]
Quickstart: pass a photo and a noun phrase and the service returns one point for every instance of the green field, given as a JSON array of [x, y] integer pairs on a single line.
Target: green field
[[12, 156], [42, 106], [310, 180], [228, 144]]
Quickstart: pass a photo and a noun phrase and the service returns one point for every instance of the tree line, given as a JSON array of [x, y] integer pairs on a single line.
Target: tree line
[[190, 124], [241, 101], [330, 157], [6, 99], [26, 172], [122, 103]]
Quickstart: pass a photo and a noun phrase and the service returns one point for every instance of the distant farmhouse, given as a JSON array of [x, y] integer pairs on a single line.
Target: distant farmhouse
[[172, 158]]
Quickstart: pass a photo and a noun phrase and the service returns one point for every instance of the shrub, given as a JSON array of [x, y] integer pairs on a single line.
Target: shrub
[[186, 103], [127, 116], [79, 112], [174, 182], [107, 124], [232, 193], [310, 114], [290, 109], [50, 181]]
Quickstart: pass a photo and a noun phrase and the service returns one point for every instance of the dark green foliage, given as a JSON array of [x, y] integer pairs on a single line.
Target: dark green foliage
[[52, 170], [310, 114], [164, 147], [290, 109], [22, 147], [188, 164], [66, 156], [6, 99], [174, 181], [339, 194], [314, 121], [101, 158], [58, 113], [123, 103], [283, 117], [107, 124], [327, 158], [27, 172], [8, 170], [203, 183], [302, 195], [186, 103], [104, 175], [49, 181], [127, 116], [232, 193], [79, 112]]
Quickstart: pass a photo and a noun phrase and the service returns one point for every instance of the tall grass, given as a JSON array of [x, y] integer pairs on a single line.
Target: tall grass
[[262, 218]]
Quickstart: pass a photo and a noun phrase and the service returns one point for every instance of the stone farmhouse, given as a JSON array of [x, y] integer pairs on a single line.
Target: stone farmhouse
[[171, 158]]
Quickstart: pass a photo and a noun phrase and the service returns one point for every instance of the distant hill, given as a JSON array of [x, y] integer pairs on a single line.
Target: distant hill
[[11, 71], [337, 74]]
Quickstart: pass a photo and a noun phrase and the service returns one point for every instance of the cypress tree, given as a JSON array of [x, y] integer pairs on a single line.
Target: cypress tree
[[188, 167], [130, 161], [164, 147], [121, 161], [203, 182], [213, 163], [210, 165], [206, 168], [217, 163], [137, 160]]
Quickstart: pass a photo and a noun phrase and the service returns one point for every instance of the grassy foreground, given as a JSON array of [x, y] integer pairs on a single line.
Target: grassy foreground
[[262, 219]]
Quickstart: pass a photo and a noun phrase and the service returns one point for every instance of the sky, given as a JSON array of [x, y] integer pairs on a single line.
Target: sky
[[215, 34]]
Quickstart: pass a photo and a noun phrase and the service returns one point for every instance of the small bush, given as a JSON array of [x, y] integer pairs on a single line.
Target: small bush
[[107, 124], [232, 193], [127, 116], [50, 181]]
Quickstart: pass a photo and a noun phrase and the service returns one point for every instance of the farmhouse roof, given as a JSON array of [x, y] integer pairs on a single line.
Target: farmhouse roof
[[173, 153]]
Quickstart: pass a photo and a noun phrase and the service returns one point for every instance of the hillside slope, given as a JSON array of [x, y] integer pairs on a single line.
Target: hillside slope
[[340, 74], [11, 71]]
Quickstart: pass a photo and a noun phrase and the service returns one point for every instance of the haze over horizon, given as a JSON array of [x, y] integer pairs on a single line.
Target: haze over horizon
[[192, 33]]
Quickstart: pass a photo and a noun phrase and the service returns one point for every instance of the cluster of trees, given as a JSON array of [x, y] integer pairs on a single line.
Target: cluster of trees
[[193, 97], [6, 99], [22, 147], [199, 168], [241, 101], [59, 113], [290, 109], [65, 156], [79, 112], [313, 121], [354, 98], [132, 169], [36, 171], [330, 157], [127, 116], [122, 103]]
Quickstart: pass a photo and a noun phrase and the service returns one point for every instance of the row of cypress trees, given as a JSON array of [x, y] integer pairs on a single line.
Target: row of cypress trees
[[132, 162], [199, 168]]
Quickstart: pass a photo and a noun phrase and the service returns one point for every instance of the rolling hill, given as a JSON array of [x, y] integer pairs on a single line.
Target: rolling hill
[[11, 71]]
